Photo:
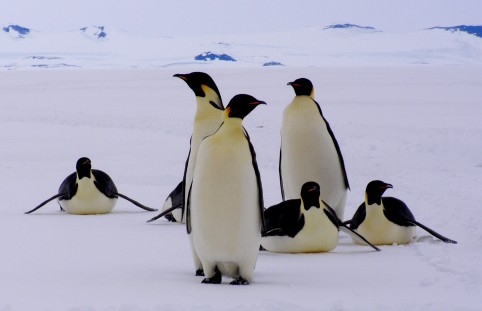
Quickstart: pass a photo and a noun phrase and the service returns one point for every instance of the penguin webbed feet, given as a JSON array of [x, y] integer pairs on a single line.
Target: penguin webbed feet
[[215, 279], [199, 272], [239, 281]]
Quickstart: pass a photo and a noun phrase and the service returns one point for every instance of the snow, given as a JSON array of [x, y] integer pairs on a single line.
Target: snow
[[94, 47], [415, 126]]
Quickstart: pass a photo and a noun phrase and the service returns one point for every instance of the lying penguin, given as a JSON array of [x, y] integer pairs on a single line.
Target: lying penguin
[[306, 225], [386, 220], [87, 192]]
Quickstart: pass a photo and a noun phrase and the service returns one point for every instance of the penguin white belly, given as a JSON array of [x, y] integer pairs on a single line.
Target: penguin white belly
[[224, 206], [309, 154], [318, 235], [377, 229], [88, 200]]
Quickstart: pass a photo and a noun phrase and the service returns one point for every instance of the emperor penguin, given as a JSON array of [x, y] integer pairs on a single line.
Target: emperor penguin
[[310, 151], [88, 191], [386, 220], [207, 119], [225, 206], [306, 225]]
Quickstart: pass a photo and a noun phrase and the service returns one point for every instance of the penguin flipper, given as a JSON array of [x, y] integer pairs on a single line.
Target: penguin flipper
[[358, 217], [104, 184], [176, 201], [343, 227], [397, 211], [337, 147], [435, 234], [353, 233], [188, 212], [135, 202], [281, 177], [45, 202], [258, 181], [283, 219], [331, 214], [164, 213]]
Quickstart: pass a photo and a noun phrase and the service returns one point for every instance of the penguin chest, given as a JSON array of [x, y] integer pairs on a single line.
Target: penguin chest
[[377, 229], [308, 153], [224, 206], [88, 200], [318, 234]]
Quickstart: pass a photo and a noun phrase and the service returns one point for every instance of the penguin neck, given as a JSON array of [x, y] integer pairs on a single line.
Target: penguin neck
[[374, 205], [233, 124], [205, 111], [85, 186]]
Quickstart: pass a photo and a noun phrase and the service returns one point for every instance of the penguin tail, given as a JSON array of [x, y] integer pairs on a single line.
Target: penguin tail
[[45, 202], [435, 234], [135, 202]]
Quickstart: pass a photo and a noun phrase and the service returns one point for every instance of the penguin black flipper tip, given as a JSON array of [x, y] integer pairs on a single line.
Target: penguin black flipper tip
[[164, 213], [135, 202], [432, 232], [45, 202]]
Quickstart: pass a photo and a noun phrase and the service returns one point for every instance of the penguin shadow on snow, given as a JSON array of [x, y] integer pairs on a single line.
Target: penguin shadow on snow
[[88, 192], [387, 220]]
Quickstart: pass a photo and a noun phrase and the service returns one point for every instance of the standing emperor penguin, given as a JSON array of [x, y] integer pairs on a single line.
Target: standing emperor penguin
[[207, 119], [88, 191], [225, 206], [309, 150], [386, 220], [306, 225]]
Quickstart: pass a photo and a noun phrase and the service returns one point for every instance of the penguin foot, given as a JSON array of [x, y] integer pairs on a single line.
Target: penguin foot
[[216, 279], [239, 281], [199, 272], [170, 218]]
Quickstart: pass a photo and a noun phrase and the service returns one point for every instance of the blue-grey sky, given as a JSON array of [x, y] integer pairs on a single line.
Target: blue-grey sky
[[184, 17]]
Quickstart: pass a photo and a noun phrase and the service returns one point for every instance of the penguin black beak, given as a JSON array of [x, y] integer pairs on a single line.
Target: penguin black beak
[[293, 84], [388, 186], [181, 76], [259, 102]]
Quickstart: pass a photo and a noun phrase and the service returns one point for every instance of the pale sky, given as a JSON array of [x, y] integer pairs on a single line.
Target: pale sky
[[193, 17]]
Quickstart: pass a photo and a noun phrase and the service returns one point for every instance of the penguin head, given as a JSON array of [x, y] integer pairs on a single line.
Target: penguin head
[[310, 195], [375, 190], [199, 82], [241, 105], [83, 168], [303, 86]]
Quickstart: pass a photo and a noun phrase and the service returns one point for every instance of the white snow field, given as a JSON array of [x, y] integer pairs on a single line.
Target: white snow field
[[416, 126]]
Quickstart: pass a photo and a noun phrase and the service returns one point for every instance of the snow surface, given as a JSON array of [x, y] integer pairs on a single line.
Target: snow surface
[[416, 126], [99, 46]]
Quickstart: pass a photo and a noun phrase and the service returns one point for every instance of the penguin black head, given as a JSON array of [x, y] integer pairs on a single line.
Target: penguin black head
[[302, 86], [375, 190], [310, 194], [83, 167], [241, 105], [196, 81]]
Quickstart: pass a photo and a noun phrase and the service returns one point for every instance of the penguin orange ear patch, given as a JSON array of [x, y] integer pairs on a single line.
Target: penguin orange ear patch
[[227, 111]]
